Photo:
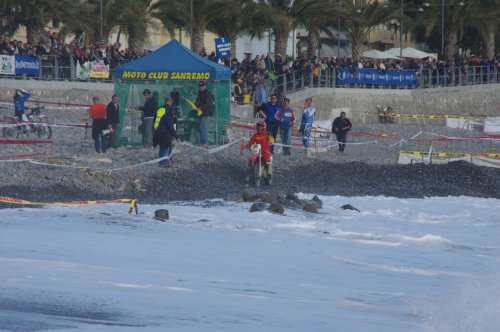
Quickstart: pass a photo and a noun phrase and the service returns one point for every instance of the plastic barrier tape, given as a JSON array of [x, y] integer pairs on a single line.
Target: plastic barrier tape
[[17, 156], [24, 141], [451, 154], [132, 201]]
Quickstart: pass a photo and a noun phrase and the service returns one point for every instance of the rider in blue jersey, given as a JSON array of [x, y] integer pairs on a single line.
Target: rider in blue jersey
[[19, 99]]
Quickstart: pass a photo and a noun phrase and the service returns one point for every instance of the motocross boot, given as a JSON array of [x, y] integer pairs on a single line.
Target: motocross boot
[[269, 172], [249, 172]]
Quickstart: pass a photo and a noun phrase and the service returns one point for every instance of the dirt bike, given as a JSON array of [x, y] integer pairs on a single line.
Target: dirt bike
[[36, 123], [259, 166], [385, 114]]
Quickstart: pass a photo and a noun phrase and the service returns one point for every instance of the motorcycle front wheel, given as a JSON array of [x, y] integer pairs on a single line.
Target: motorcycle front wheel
[[255, 173], [44, 131]]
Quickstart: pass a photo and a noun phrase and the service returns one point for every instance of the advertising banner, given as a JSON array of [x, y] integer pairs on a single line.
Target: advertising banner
[[374, 76], [7, 65], [82, 71], [27, 65], [222, 48], [98, 70]]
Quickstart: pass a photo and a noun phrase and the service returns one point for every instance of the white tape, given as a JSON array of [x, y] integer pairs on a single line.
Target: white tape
[[213, 150], [14, 160]]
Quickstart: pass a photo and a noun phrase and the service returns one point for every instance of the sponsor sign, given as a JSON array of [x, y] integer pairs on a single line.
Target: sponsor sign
[[98, 70], [374, 76], [165, 75], [222, 47], [82, 71], [7, 65], [27, 65]]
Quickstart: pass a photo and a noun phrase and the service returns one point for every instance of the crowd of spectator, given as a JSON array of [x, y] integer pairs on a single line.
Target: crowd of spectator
[[55, 52], [253, 78]]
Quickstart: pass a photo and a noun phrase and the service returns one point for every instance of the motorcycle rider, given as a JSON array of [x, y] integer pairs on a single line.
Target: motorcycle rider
[[20, 97], [265, 140]]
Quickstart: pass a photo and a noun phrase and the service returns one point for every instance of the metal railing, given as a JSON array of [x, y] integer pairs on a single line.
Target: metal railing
[[59, 68], [426, 78], [55, 67]]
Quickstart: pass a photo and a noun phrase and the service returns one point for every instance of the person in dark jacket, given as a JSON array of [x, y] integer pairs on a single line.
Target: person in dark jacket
[[112, 120], [149, 112], [286, 117], [268, 111], [205, 102], [340, 127], [165, 134]]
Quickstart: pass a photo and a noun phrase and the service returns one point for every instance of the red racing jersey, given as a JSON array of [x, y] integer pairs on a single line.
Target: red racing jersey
[[265, 140]]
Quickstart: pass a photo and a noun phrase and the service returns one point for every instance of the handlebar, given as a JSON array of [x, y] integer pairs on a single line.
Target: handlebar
[[36, 110]]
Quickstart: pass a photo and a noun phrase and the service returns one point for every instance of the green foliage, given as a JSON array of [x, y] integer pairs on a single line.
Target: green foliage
[[35, 15]]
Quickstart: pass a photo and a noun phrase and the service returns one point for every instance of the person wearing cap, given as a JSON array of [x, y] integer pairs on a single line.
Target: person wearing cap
[[205, 102], [149, 113], [238, 91]]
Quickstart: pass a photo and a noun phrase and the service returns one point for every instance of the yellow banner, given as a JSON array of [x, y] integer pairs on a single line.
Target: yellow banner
[[98, 70], [165, 75], [132, 201], [422, 116]]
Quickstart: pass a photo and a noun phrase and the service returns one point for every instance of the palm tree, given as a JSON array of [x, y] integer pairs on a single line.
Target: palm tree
[[483, 15], [282, 16], [231, 18], [130, 17], [35, 16], [177, 13], [455, 19], [317, 21], [134, 22], [361, 16], [168, 13]]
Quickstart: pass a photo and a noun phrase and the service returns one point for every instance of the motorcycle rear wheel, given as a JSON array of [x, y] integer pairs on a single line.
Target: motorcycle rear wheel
[[10, 132]]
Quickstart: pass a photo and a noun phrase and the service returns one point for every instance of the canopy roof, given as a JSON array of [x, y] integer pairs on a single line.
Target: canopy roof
[[173, 61], [409, 52], [375, 54]]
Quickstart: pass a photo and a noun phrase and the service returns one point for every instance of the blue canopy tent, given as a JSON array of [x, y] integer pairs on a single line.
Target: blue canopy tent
[[173, 71]]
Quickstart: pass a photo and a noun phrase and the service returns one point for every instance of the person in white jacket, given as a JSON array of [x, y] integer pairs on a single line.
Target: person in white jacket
[[307, 121]]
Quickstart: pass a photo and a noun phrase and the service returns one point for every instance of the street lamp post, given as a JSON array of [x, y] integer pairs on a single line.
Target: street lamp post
[[338, 34], [401, 30], [442, 28], [101, 27], [460, 4], [191, 26]]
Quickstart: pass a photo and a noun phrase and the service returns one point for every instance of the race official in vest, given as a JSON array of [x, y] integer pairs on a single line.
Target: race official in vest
[[166, 108], [165, 135]]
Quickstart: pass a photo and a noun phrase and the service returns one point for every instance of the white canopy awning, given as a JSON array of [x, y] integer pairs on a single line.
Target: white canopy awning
[[375, 54], [409, 52]]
